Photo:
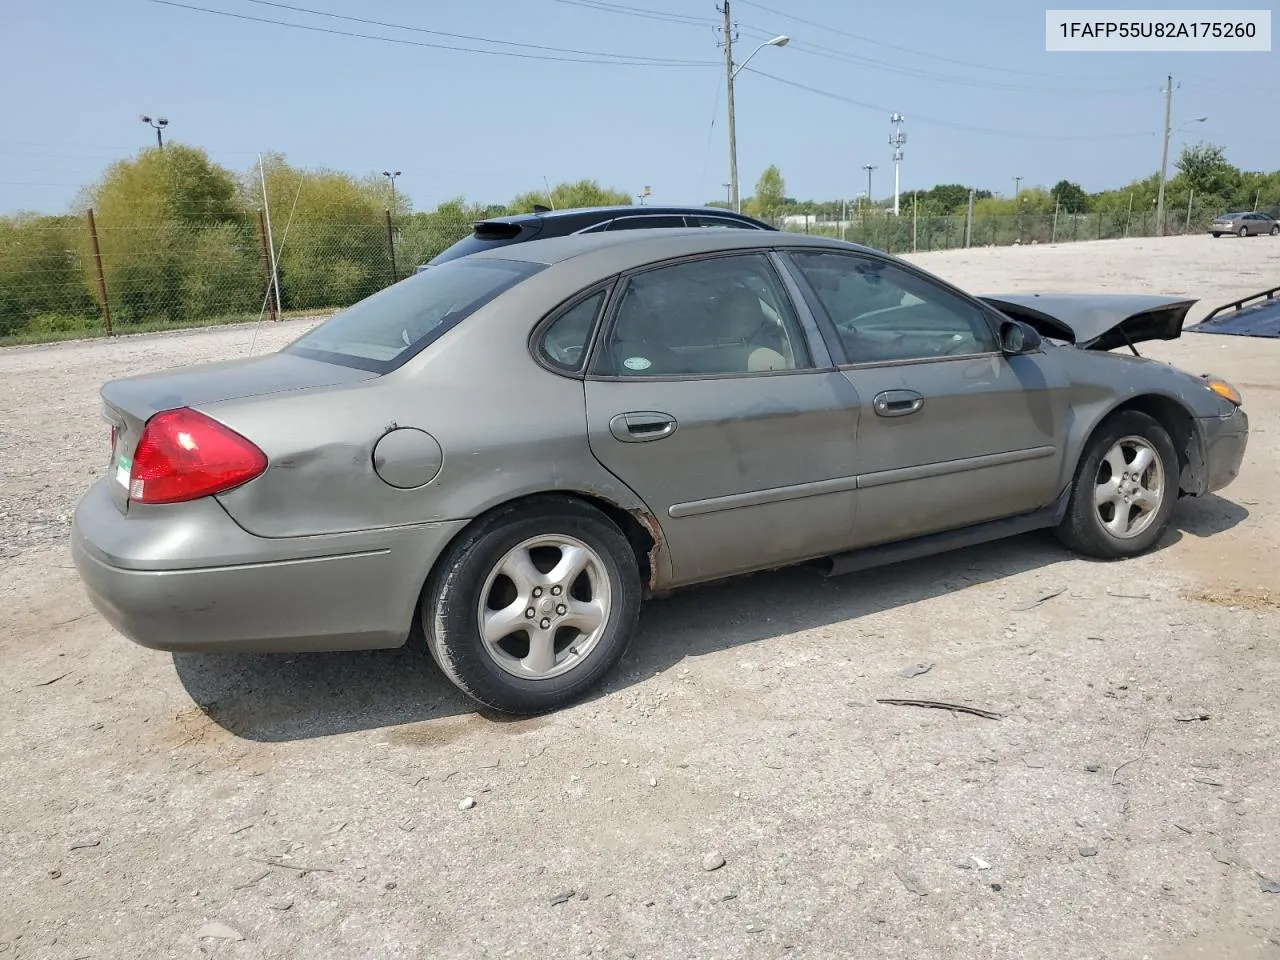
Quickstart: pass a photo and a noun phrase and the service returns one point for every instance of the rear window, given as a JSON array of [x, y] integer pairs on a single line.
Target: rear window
[[488, 235], [383, 331]]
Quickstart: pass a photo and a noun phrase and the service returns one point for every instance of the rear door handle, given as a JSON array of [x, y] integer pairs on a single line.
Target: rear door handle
[[897, 403], [641, 426]]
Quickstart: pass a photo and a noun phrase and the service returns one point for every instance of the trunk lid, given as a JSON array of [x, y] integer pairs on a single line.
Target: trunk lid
[[128, 403], [1101, 321]]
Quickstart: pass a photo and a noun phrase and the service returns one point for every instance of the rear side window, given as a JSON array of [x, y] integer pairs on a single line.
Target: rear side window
[[381, 332], [564, 343]]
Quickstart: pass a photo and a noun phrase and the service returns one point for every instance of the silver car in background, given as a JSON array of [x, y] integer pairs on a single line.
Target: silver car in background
[[1251, 224], [506, 453]]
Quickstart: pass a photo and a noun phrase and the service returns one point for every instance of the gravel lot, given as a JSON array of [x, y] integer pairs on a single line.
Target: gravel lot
[[309, 806]]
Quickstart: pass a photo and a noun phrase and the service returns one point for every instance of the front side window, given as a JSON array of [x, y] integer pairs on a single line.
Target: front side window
[[723, 315], [883, 313], [384, 330]]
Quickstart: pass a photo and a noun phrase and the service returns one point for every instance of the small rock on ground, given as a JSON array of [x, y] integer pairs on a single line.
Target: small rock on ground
[[713, 860]]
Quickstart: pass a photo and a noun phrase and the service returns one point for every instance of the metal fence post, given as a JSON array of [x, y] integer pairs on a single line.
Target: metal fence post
[[968, 222], [1053, 236], [273, 295], [102, 279], [915, 214], [391, 247]]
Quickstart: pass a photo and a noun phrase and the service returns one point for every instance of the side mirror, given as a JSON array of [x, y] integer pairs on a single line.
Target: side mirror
[[1017, 337]]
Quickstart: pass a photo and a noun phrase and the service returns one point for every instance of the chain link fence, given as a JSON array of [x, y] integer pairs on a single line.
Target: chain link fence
[[74, 276], [68, 276], [909, 233]]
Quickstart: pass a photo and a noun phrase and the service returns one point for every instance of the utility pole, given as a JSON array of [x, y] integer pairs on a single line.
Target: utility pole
[[1164, 153], [868, 167], [1017, 187], [896, 140], [733, 132]]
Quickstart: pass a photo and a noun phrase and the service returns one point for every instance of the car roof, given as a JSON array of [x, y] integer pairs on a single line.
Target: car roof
[[628, 248], [604, 212]]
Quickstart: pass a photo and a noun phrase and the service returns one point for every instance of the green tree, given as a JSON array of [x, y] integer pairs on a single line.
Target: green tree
[[1070, 196], [331, 233], [171, 221], [42, 274], [566, 196], [1204, 168], [771, 194]]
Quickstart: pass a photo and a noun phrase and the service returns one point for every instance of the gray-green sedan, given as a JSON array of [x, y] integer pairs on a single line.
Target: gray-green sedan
[[507, 453]]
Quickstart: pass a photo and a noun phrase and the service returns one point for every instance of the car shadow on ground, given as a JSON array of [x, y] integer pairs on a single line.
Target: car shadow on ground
[[285, 697]]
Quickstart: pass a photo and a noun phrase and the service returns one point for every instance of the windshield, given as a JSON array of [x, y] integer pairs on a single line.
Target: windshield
[[383, 331]]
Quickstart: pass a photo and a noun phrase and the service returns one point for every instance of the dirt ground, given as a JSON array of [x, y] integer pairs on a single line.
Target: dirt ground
[[309, 806]]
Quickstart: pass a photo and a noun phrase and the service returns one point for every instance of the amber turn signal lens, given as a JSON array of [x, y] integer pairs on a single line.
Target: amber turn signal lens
[[1226, 391]]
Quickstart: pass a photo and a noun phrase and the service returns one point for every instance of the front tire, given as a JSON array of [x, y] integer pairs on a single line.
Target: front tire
[[1125, 489], [1244, 232], [1275, 231], [530, 609]]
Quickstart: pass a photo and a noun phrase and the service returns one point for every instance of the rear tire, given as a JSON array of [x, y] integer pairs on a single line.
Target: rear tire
[[1275, 231], [1244, 231], [529, 610], [1105, 516]]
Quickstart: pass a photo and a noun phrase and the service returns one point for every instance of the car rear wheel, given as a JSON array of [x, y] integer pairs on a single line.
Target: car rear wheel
[[1125, 489], [529, 610], [1275, 230], [1244, 231]]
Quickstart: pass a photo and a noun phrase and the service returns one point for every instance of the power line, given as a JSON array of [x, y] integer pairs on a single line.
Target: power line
[[892, 46], [434, 46], [661, 15], [937, 121], [831, 53], [662, 61]]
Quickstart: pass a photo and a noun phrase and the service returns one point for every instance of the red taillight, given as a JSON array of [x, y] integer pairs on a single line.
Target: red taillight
[[184, 455]]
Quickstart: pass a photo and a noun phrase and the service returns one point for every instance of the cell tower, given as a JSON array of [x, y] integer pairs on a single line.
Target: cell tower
[[896, 140]]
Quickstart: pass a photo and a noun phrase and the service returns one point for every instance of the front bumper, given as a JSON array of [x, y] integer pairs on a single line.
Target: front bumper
[[1223, 441], [190, 579]]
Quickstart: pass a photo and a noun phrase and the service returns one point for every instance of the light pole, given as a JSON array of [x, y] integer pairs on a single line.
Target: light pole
[[1017, 187], [728, 194], [731, 74], [1164, 152], [868, 167], [159, 123], [391, 179]]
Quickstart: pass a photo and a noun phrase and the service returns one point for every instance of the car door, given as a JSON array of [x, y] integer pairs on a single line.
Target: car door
[[953, 432], [713, 398]]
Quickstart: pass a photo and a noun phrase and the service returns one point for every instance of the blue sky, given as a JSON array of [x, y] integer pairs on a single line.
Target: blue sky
[[983, 100]]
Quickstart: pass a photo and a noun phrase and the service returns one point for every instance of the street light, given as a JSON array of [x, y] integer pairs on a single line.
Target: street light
[[868, 167], [159, 123], [1017, 186], [778, 41], [391, 179]]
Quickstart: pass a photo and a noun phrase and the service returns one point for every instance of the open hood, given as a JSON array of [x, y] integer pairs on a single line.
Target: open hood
[[1097, 321]]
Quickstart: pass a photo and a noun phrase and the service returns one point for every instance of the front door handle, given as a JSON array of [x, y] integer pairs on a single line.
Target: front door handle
[[897, 403], [641, 426]]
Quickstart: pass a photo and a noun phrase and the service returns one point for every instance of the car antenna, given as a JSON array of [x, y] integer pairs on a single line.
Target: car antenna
[[550, 199]]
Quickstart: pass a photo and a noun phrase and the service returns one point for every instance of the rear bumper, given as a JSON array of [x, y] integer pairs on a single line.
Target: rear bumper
[[1224, 440], [198, 582]]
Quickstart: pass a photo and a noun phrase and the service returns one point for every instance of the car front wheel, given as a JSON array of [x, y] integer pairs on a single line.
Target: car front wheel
[[1275, 231], [1244, 231], [531, 608], [1125, 489]]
